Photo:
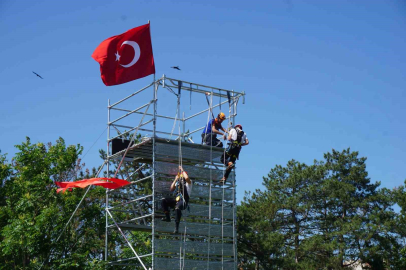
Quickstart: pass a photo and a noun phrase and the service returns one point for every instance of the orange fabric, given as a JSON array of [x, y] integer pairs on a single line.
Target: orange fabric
[[111, 183]]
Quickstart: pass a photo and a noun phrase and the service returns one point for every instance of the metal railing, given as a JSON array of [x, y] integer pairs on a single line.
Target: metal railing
[[213, 221]]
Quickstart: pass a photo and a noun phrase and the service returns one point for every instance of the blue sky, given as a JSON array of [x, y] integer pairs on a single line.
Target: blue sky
[[318, 74]]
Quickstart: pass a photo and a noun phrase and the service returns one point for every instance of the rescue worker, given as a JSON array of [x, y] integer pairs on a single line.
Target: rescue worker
[[237, 138], [209, 135], [182, 188]]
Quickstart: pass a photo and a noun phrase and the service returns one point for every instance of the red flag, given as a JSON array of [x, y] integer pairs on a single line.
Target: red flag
[[111, 183], [126, 57]]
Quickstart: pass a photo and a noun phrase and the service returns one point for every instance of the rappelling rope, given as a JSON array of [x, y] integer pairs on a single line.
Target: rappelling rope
[[183, 243], [184, 248], [211, 180], [208, 115], [222, 202], [184, 204], [176, 118]]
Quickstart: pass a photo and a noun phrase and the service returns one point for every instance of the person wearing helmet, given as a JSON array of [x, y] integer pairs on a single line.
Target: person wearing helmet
[[209, 135], [237, 138], [182, 188]]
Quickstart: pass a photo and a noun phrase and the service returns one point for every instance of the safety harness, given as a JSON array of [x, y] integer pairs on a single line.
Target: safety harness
[[180, 191], [235, 145]]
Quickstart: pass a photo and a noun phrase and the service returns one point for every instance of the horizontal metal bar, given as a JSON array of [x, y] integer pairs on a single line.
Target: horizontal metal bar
[[125, 211], [121, 126], [132, 147], [133, 219], [131, 183], [192, 228], [199, 237], [139, 108], [162, 263], [125, 264], [157, 115], [197, 90], [140, 180], [139, 91], [132, 258], [191, 132], [122, 134], [215, 106], [201, 85], [160, 132], [138, 199], [163, 246]]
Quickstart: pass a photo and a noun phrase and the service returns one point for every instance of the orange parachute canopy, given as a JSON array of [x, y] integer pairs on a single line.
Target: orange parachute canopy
[[111, 183]]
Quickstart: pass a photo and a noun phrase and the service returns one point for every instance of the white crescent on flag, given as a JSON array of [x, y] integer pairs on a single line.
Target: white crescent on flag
[[137, 52], [131, 67]]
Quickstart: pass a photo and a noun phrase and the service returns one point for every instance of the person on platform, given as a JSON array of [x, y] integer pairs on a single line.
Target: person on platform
[[213, 127], [237, 138], [182, 189]]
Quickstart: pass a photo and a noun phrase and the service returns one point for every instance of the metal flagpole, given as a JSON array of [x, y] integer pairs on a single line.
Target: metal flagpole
[[155, 88], [107, 190]]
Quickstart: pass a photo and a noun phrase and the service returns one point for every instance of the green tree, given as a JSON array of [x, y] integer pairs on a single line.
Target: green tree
[[359, 216], [400, 225], [33, 214], [325, 216], [275, 225]]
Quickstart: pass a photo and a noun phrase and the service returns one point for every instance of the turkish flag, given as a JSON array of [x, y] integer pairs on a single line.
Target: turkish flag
[[126, 57]]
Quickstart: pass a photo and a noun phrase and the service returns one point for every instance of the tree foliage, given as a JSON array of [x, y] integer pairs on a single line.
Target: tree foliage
[[327, 215], [324, 216], [33, 215]]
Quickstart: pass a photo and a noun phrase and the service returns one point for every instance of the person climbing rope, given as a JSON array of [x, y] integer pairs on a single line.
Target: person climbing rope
[[209, 135], [237, 138], [182, 188]]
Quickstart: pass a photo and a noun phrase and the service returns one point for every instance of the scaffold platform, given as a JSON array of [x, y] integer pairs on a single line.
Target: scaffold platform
[[207, 231]]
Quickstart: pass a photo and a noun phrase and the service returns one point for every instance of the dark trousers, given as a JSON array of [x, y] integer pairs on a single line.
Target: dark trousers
[[167, 203], [211, 139], [229, 155]]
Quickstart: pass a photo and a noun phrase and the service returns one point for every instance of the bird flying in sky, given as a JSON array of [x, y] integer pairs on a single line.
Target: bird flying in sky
[[37, 75], [177, 67]]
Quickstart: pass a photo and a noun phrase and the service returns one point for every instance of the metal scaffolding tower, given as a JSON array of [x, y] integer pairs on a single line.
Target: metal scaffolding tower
[[136, 238]]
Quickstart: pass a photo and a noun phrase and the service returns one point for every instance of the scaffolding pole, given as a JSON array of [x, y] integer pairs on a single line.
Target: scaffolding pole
[[210, 227]]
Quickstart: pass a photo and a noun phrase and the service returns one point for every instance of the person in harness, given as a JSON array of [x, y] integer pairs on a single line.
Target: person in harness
[[209, 135], [182, 189], [237, 138]]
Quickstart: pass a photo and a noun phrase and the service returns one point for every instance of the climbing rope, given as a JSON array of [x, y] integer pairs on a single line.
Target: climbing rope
[[174, 123], [210, 186], [222, 202], [177, 112], [180, 178]]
